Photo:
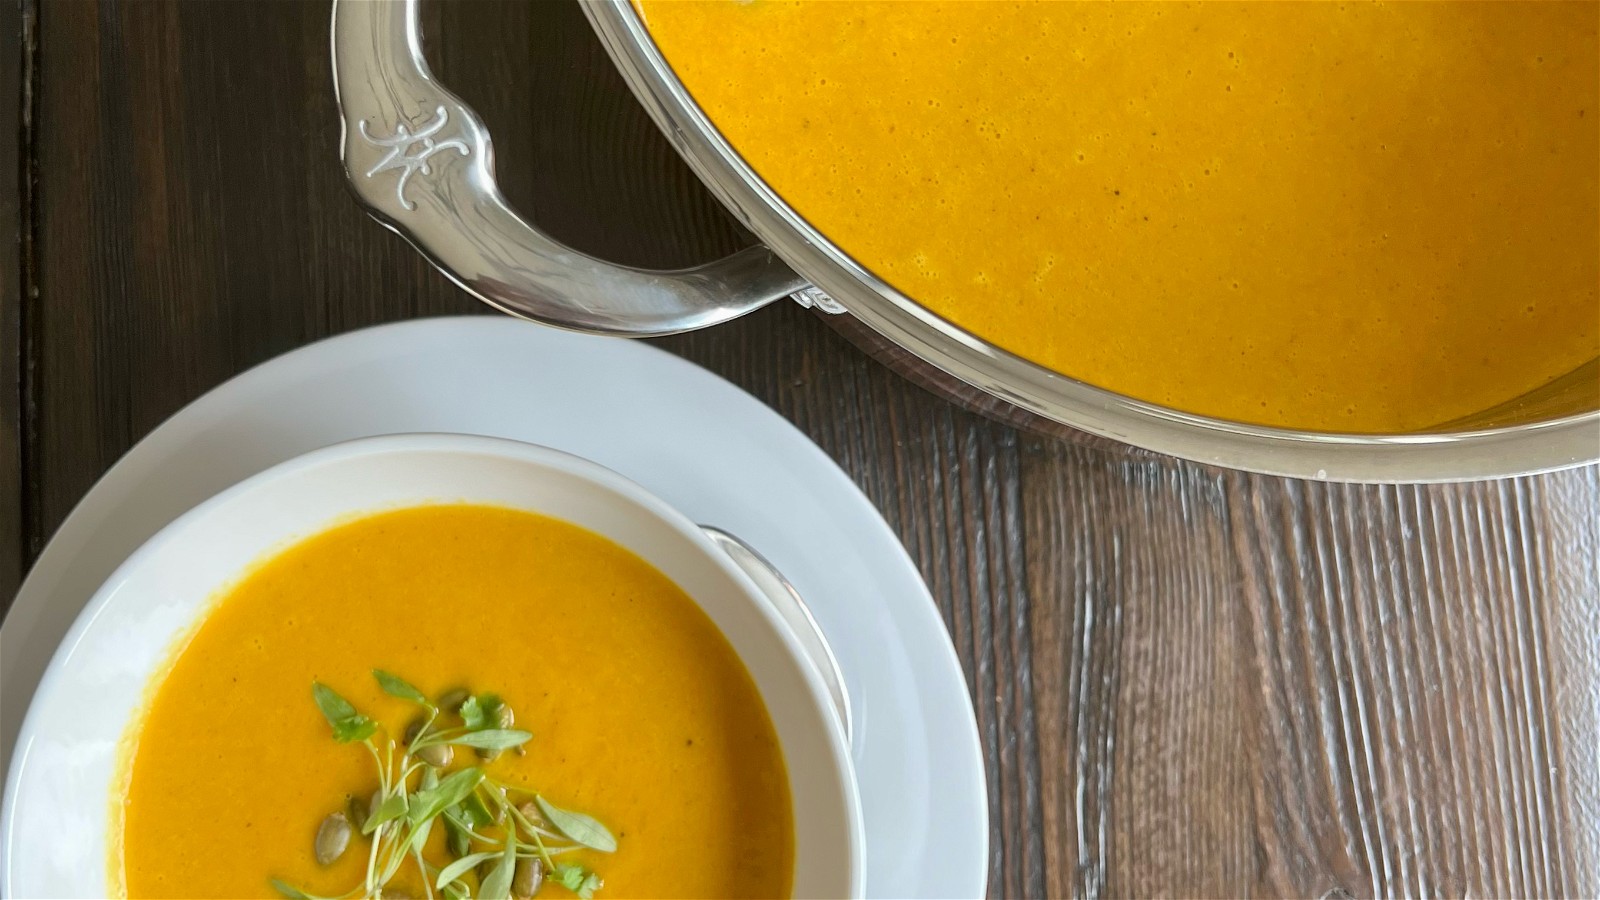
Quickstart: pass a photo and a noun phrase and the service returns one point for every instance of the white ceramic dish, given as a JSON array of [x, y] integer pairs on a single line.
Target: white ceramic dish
[[94, 686], [704, 446]]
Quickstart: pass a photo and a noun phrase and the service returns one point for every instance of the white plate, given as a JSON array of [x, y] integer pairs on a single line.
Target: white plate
[[53, 828], [687, 436]]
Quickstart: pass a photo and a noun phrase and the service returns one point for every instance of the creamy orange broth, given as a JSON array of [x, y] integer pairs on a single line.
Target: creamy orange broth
[[641, 713], [1335, 215]]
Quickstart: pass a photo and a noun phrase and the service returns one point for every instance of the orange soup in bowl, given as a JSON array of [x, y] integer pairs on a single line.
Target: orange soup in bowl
[[1342, 216], [454, 699]]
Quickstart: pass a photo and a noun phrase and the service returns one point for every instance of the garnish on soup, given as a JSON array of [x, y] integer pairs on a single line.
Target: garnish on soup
[[501, 841], [642, 716]]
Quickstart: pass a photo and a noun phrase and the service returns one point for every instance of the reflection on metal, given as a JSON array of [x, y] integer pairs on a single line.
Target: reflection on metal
[[409, 152], [791, 607], [811, 298], [457, 216]]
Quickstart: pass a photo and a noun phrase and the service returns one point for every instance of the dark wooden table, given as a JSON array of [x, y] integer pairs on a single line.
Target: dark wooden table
[[1188, 682]]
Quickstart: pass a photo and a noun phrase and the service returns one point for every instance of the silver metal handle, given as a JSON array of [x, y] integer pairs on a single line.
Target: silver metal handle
[[791, 607], [421, 162]]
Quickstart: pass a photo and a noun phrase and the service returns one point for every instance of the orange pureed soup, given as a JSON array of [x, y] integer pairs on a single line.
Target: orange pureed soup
[[641, 715], [1331, 215]]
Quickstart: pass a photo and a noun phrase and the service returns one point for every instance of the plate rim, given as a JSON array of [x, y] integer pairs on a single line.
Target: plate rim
[[109, 494], [521, 453]]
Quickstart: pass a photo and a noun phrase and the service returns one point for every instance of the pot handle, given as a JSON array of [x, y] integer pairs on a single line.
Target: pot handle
[[420, 161]]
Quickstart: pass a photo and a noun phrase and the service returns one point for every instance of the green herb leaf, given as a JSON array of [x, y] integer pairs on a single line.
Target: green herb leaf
[[569, 876], [426, 804], [493, 739], [351, 730], [577, 826], [348, 725], [390, 808], [480, 712], [419, 835], [467, 799], [460, 867], [334, 707], [475, 812], [290, 891], [471, 713], [456, 838], [395, 686], [294, 893], [498, 885]]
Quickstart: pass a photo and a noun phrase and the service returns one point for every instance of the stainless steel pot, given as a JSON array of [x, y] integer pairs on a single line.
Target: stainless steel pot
[[421, 161]]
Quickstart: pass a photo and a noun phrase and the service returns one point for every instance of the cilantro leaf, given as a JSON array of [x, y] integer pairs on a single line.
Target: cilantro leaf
[[475, 812], [568, 876], [472, 714]]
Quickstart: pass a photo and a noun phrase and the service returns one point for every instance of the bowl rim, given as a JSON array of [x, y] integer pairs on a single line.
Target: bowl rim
[[1521, 449], [838, 761]]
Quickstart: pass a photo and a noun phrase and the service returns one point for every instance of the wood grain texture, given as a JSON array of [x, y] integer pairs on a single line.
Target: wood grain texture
[[16, 60], [1261, 686], [1188, 682], [194, 220], [1146, 755], [1404, 638]]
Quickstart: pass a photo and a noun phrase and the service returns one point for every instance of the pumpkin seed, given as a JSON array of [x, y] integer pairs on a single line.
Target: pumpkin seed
[[355, 812], [530, 875], [333, 836], [412, 730], [450, 701], [437, 755], [530, 811], [504, 718]]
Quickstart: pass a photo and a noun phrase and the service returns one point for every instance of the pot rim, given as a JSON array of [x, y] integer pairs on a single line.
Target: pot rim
[[1520, 449]]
